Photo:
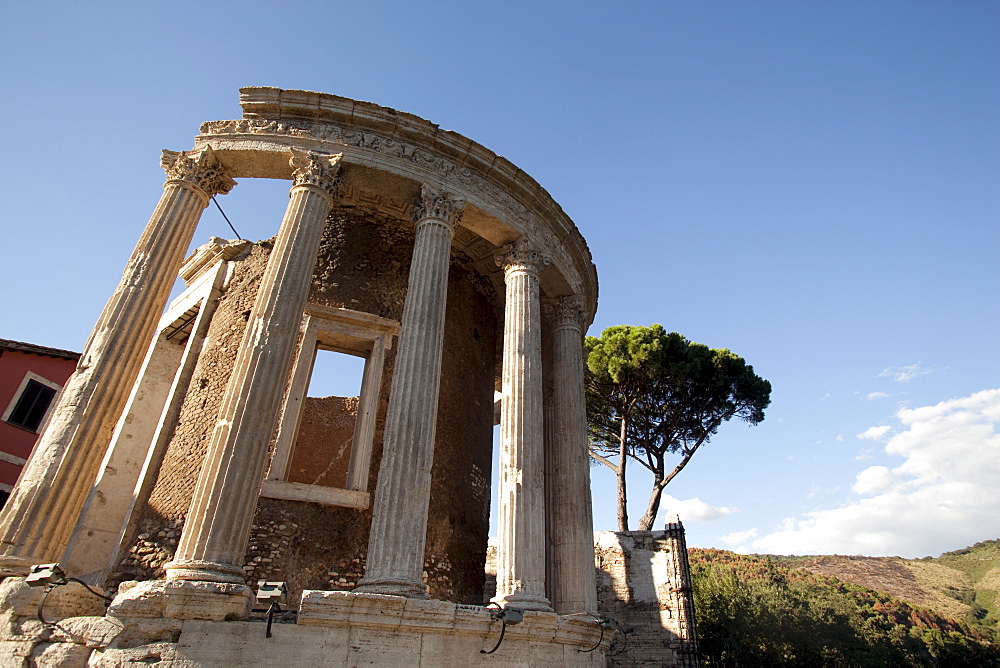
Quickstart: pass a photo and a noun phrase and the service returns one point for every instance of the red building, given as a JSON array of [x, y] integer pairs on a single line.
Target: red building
[[30, 379]]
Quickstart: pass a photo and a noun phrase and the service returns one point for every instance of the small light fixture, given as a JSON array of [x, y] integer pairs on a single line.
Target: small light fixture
[[605, 623], [271, 593], [512, 616], [268, 592], [506, 615], [45, 575], [51, 576]]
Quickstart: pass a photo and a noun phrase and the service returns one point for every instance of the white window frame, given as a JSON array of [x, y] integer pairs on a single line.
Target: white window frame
[[344, 331], [28, 375]]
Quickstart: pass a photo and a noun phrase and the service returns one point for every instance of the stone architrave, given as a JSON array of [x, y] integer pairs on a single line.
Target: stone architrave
[[37, 521], [217, 526], [521, 549], [574, 589], [402, 495]]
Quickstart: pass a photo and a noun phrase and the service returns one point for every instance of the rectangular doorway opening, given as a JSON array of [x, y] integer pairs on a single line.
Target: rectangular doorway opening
[[322, 451]]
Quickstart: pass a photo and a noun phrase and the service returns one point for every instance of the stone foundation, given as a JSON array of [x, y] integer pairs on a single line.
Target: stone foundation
[[150, 623]]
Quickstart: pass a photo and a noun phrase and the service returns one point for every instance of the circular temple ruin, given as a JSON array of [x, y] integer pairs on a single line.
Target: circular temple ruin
[[186, 461]]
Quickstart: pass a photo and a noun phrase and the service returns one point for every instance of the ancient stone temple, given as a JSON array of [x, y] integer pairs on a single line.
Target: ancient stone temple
[[185, 460]]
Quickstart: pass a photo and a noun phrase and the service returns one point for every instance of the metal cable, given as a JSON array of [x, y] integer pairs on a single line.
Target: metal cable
[[219, 207]]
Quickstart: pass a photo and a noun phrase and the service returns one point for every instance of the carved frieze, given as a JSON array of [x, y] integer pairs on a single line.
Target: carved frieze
[[321, 170], [440, 166], [439, 205], [522, 256], [198, 168], [443, 170]]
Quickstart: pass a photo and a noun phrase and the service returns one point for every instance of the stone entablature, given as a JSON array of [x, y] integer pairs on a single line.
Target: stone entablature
[[505, 203]]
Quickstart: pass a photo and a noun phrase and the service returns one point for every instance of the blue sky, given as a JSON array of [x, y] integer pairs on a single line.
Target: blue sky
[[813, 185]]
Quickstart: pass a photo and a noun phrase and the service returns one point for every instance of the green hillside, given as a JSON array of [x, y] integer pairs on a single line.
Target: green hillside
[[963, 585], [981, 565], [846, 611]]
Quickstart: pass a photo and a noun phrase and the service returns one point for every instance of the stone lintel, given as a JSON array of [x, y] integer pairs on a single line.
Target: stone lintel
[[406, 145], [327, 496], [207, 255], [364, 322]]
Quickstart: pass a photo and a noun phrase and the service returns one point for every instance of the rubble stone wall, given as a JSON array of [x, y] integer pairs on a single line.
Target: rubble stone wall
[[322, 451]]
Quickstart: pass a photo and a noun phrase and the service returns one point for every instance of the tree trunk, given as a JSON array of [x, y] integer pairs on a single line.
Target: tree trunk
[[646, 521], [622, 496]]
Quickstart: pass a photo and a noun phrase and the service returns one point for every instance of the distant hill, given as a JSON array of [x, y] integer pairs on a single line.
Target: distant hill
[[848, 611], [963, 585]]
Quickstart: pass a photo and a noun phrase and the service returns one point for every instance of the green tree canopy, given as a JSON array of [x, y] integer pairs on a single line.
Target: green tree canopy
[[651, 394]]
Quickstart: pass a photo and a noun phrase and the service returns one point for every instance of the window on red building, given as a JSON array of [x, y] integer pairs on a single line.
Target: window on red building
[[31, 403]]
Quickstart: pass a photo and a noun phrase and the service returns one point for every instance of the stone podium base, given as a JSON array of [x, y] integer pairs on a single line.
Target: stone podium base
[[334, 629]]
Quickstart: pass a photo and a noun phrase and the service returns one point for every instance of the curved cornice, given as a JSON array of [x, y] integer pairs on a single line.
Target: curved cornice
[[378, 136]]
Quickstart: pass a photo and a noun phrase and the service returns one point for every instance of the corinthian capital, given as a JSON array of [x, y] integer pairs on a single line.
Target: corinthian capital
[[566, 312], [522, 256], [440, 205], [316, 169], [198, 168]]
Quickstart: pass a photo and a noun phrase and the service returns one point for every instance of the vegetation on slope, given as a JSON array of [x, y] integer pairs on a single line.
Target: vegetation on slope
[[764, 611], [962, 585], [981, 565]]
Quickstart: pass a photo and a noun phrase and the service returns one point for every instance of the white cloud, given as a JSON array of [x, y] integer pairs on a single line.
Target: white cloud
[[840, 438], [941, 497], [873, 479], [904, 374], [874, 433], [739, 536], [694, 509], [871, 396]]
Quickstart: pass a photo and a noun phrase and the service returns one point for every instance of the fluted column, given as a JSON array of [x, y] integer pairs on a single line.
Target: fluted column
[[217, 526], [38, 519], [574, 589], [399, 521], [521, 550]]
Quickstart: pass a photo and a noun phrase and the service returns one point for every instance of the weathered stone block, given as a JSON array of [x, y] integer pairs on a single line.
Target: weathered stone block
[[15, 653], [19, 608], [151, 654], [206, 600], [422, 615], [139, 600], [379, 610], [92, 632], [61, 655]]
